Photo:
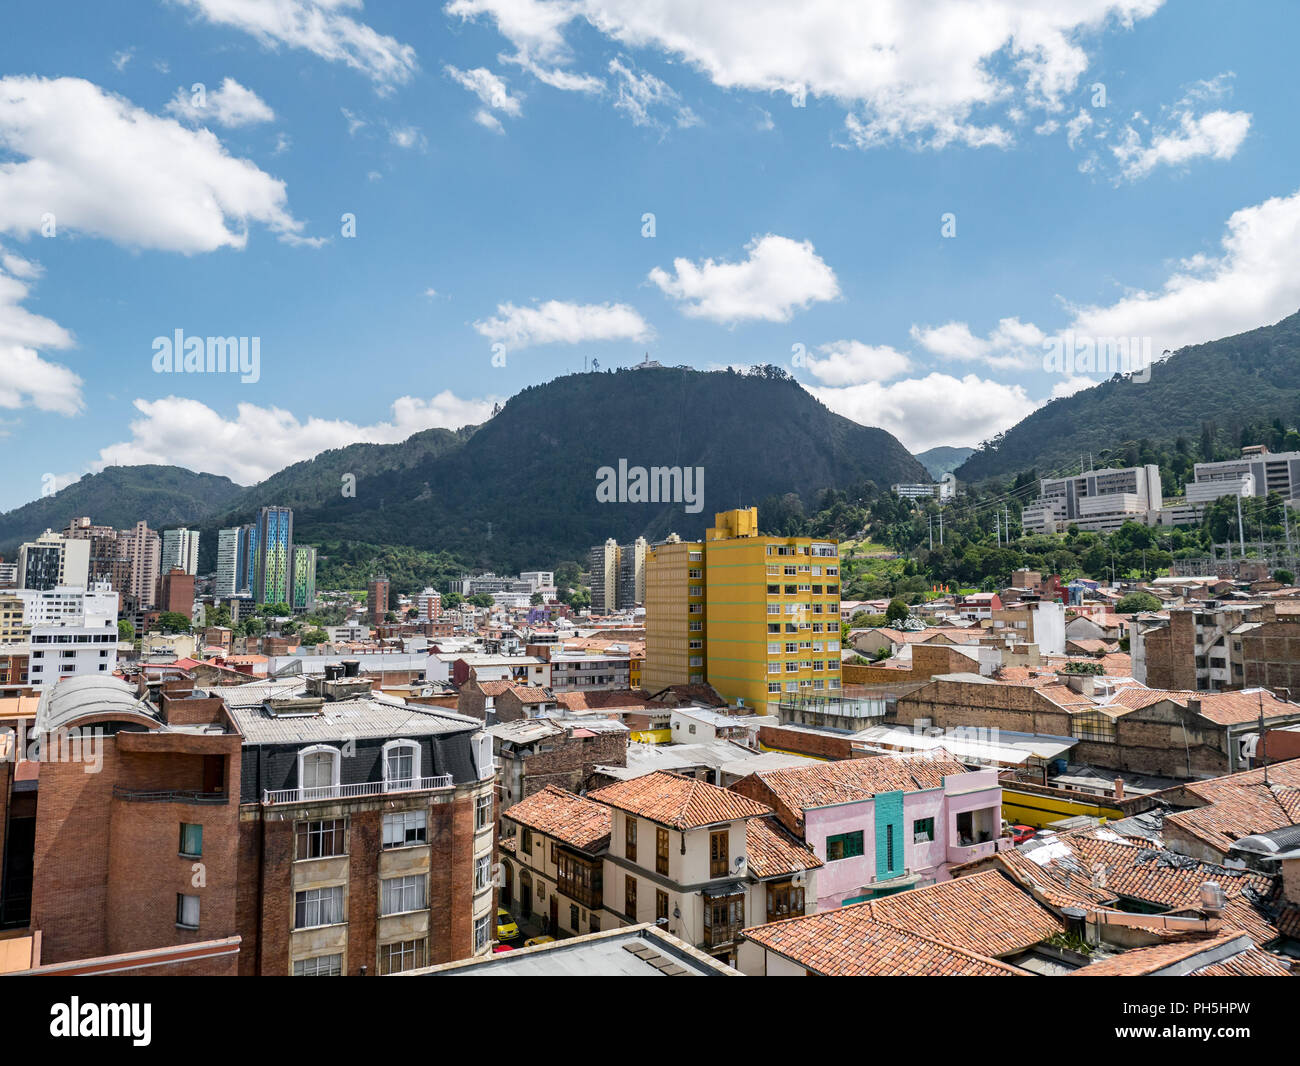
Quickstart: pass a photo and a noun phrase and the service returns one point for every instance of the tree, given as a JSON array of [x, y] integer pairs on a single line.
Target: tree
[[274, 610], [896, 611], [536, 599], [173, 622], [482, 600], [452, 600], [1285, 577], [312, 637], [125, 630], [1137, 601]]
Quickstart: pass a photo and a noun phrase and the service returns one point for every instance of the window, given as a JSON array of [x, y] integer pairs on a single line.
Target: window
[[629, 850], [187, 911], [482, 873], [320, 966], [318, 768], [889, 847], [1093, 726], [401, 764], [404, 955], [661, 905], [629, 897], [482, 812], [482, 932], [784, 900], [401, 894], [526, 841], [191, 840], [844, 846], [661, 851], [923, 831], [573, 917], [318, 906], [319, 840], [719, 853], [403, 829]]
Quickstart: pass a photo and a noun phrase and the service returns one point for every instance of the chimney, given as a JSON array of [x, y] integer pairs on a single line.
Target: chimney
[[1119, 789]]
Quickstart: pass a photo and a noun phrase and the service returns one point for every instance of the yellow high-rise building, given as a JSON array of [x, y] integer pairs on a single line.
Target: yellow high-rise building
[[767, 626]]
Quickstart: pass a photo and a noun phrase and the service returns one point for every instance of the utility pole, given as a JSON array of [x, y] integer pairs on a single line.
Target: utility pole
[[1241, 534], [931, 518], [997, 529], [941, 529]]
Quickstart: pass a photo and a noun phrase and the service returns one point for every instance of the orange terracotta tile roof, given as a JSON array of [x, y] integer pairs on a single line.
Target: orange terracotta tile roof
[[676, 801], [803, 787], [1252, 963], [849, 942], [1140, 961], [771, 851], [1240, 810], [985, 913], [1058, 887], [1222, 708], [566, 816], [1135, 871], [601, 700]]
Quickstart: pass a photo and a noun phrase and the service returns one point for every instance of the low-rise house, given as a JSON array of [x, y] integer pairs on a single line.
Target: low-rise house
[[685, 853], [533, 753], [887, 823]]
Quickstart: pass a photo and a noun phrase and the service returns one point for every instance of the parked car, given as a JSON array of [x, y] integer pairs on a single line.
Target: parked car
[[506, 927], [1021, 833], [534, 941], [500, 948]]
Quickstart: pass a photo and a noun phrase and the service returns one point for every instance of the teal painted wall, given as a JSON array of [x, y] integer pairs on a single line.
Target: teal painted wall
[[889, 822]]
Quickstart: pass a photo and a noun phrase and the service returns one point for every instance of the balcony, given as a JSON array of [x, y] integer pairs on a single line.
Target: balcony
[[354, 791], [721, 936], [168, 795], [958, 853]]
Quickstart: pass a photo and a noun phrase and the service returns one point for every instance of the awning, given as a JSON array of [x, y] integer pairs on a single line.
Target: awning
[[730, 888]]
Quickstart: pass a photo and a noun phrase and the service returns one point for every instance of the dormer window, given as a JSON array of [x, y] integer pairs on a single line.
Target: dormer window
[[318, 769], [401, 765]]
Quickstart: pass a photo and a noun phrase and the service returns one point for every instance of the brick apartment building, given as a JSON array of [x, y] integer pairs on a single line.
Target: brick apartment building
[[1201, 647], [333, 829], [536, 753]]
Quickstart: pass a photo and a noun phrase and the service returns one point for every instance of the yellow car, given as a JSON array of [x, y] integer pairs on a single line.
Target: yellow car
[[506, 928], [534, 941]]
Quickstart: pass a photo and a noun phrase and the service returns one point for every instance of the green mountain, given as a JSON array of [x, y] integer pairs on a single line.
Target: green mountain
[[520, 490], [121, 496], [1225, 385], [943, 460]]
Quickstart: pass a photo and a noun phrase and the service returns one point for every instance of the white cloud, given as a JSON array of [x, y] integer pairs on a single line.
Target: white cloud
[[1252, 283], [854, 363], [355, 122], [1213, 135], [566, 323], [779, 277], [933, 410], [258, 441], [101, 166], [1071, 385], [1012, 344], [492, 93], [230, 105], [641, 93], [27, 379], [317, 27], [939, 73], [406, 137], [122, 58]]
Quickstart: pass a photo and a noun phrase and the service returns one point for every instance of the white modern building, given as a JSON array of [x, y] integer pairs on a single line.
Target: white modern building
[[52, 560], [1098, 500], [227, 580], [180, 551], [73, 632], [942, 490]]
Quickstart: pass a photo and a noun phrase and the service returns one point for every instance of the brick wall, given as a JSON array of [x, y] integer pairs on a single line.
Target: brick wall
[[570, 764], [801, 742]]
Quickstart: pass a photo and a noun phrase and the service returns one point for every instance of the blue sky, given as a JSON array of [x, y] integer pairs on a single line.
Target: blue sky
[[498, 158]]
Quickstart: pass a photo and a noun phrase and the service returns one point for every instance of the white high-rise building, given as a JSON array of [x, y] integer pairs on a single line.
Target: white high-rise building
[[227, 580], [1097, 500], [73, 632], [180, 551], [52, 560]]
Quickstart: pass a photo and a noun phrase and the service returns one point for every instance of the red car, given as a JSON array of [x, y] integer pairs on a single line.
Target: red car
[[500, 948], [1021, 833]]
